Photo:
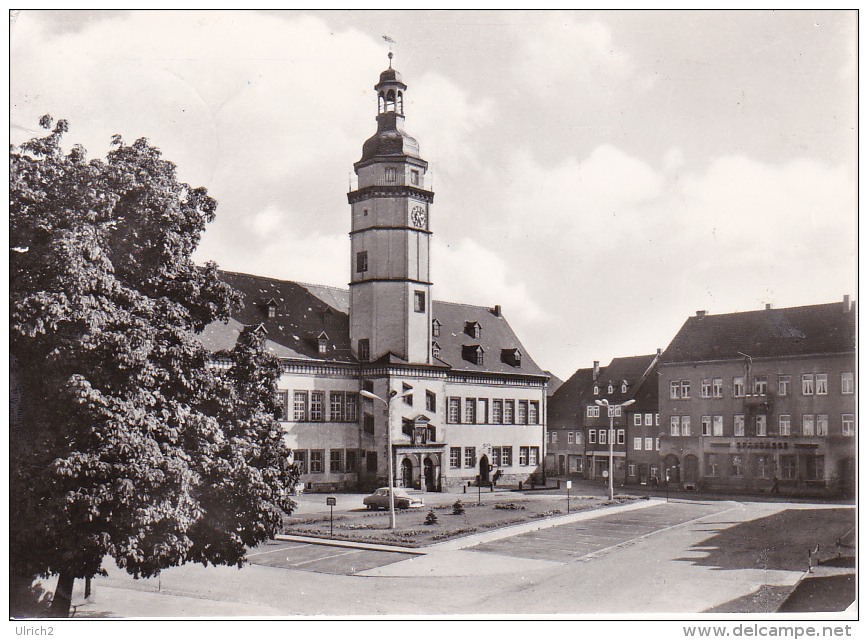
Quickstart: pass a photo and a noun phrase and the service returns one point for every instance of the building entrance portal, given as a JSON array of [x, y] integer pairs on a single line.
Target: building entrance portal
[[430, 484], [484, 468], [407, 473]]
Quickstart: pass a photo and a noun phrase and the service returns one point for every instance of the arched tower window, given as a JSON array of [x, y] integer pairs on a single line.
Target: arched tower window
[[381, 103], [390, 100], [400, 103]]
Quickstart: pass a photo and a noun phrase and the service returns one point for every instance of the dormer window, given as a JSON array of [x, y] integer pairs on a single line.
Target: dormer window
[[596, 390], [611, 388], [323, 342], [435, 349], [270, 307], [511, 357], [473, 329], [258, 329], [473, 353], [624, 387], [435, 328]]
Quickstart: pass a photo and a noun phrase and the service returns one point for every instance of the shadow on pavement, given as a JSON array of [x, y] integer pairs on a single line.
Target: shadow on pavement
[[766, 599], [776, 542], [822, 594]]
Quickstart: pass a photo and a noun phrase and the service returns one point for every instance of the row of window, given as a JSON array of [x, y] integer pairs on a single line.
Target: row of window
[[500, 457], [572, 437], [812, 384], [812, 425], [502, 411], [310, 406], [651, 419], [651, 444], [763, 466], [599, 436], [339, 460]]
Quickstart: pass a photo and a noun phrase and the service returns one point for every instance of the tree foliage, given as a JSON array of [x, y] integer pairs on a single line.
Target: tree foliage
[[124, 440]]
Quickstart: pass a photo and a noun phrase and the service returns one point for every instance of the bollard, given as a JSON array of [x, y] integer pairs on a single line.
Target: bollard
[[519, 485]]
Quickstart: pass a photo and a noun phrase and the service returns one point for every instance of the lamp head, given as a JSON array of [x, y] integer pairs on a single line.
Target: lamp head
[[602, 403], [628, 403]]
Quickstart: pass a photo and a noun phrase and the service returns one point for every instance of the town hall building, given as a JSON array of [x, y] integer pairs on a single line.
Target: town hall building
[[449, 386]]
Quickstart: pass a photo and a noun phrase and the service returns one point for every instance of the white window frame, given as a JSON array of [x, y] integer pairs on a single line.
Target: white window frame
[[592, 436], [717, 426], [705, 388], [649, 419], [637, 444], [717, 388], [738, 425], [706, 425], [784, 425], [649, 444], [807, 384], [822, 424], [675, 426], [674, 386], [848, 424], [808, 424], [637, 419], [685, 426], [783, 385], [848, 386], [821, 384], [738, 387], [761, 426]]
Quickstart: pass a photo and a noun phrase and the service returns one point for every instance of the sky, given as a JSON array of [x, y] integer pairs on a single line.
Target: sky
[[601, 175]]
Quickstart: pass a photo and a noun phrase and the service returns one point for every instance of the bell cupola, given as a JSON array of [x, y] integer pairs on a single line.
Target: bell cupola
[[390, 285]]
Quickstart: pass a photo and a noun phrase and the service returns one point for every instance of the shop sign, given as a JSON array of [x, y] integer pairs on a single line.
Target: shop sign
[[762, 444]]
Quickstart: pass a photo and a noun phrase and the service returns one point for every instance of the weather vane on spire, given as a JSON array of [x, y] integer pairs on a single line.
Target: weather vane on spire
[[391, 42]]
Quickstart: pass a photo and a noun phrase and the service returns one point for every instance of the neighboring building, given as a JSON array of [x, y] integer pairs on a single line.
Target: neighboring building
[[565, 434], [619, 382], [643, 430], [466, 398], [757, 399]]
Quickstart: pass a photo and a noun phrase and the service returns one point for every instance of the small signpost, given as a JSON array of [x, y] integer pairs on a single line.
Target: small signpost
[[569, 486], [331, 501]]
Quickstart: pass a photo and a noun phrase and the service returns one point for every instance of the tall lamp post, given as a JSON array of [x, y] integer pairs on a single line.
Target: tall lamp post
[[392, 395], [611, 408]]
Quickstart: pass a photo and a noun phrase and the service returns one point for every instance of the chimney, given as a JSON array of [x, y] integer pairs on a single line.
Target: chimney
[[596, 369], [846, 305], [496, 310], [700, 313], [768, 305], [658, 351]]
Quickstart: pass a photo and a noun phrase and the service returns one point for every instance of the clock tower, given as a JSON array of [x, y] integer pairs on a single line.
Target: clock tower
[[390, 238]]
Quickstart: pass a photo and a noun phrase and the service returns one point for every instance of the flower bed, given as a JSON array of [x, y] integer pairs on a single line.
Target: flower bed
[[413, 531]]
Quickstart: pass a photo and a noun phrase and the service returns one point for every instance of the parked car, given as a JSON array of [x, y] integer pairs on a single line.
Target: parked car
[[403, 500]]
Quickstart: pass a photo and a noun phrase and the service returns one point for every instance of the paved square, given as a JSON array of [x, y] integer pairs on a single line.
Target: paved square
[[570, 542]]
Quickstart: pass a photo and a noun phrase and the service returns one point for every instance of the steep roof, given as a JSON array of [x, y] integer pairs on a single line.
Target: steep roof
[[302, 312], [768, 333], [495, 337], [565, 405], [553, 384]]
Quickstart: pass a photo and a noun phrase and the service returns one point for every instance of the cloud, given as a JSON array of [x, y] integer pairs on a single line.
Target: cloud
[[470, 273], [444, 118], [559, 48]]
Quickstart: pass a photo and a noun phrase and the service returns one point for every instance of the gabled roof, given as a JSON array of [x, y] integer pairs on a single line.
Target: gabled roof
[[305, 311], [565, 404], [630, 369], [496, 335], [768, 333]]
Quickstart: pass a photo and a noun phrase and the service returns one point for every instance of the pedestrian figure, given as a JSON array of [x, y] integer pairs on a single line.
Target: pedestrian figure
[[775, 488]]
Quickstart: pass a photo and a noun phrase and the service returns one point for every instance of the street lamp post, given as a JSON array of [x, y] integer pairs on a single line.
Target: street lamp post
[[392, 395], [611, 408]]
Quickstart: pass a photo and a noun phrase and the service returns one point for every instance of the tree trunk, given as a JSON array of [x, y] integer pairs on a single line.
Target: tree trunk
[[62, 600]]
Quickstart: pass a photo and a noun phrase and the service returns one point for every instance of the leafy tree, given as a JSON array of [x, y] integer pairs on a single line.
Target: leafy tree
[[125, 440]]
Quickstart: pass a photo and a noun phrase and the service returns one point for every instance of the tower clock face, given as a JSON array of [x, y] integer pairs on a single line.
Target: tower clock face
[[417, 217]]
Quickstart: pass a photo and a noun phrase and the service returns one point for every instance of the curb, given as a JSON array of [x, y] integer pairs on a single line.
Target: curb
[[350, 544]]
